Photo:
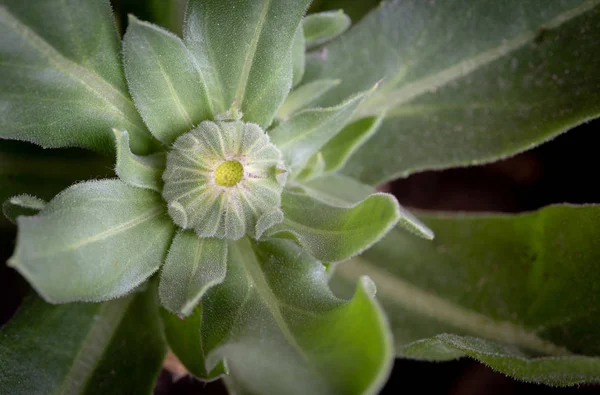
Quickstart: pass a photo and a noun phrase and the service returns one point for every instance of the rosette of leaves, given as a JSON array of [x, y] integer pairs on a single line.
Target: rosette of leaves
[[214, 159], [243, 179]]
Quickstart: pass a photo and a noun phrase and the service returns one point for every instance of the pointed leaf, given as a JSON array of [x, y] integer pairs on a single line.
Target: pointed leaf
[[332, 233], [280, 330], [518, 292], [185, 340], [135, 170], [193, 265], [498, 80], [344, 191], [303, 96], [22, 205], [340, 149], [82, 348], [94, 241], [62, 83], [298, 56], [324, 26], [306, 132], [314, 168], [165, 81], [244, 50]]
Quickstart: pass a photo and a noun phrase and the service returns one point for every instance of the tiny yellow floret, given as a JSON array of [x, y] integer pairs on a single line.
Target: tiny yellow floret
[[229, 173]]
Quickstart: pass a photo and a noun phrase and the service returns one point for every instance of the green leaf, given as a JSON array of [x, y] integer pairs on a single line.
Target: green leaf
[[298, 57], [279, 329], [138, 171], [333, 233], [343, 191], [339, 149], [458, 90], [29, 169], [306, 132], [82, 348], [324, 26], [193, 265], [165, 81], [95, 241], [22, 205], [244, 51], [314, 168], [185, 340], [62, 82], [517, 292], [303, 96]]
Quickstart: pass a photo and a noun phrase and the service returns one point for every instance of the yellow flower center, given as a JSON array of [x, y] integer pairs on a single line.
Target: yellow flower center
[[229, 173]]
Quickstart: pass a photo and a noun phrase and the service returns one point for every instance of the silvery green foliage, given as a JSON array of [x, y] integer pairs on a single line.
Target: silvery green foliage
[[244, 250], [212, 201]]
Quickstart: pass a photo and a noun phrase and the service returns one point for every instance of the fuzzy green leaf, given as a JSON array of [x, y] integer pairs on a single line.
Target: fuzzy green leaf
[[22, 205], [333, 233], [340, 149], [461, 89], [165, 81], [343, 191], [517, 292], [185, 340], [324, 26], [303, 96], [94, 241], [62, 82], [244, 50], [138, 171], [279, 329], [306, 132], [193, 265], [82, 348], [298, 57]]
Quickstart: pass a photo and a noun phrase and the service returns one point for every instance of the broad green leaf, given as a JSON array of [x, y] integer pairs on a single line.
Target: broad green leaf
[[517, 292], [165, 81], [303, 96], [193, 265], [95, 241], [62, 82], [298, 57], [306, 132], [333, 233], [339, 149], [185, 340], [22, 205], [29, 169], [344, 191], [324, 26], [135, 170], [244, 50], [461, 89], [279, 329], [114, 347]]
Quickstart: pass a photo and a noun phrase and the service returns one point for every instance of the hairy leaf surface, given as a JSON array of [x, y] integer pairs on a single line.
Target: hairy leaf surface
[[62, 82], [94, 241], [82, 348], [460, 89], [519, 293]]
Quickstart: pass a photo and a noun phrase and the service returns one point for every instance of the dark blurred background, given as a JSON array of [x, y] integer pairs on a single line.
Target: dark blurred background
[[558, 171]]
